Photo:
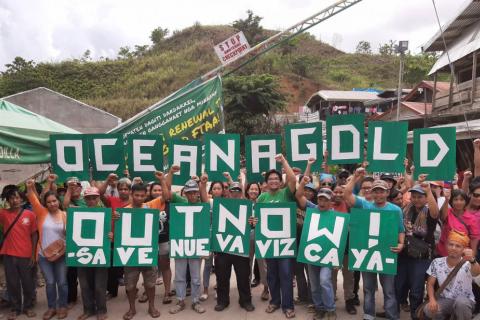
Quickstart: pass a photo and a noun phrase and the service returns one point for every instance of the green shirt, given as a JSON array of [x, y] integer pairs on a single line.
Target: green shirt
[[282, 195], [178, 199]]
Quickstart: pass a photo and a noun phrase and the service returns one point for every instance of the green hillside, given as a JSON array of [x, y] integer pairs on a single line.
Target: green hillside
[[141, 76]]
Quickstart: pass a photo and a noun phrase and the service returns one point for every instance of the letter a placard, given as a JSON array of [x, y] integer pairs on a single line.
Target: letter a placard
[[383, 155], [136, 238], [69, 156], [345, 136], [189, 230], [276, 231], [434, 152], [87, 239]]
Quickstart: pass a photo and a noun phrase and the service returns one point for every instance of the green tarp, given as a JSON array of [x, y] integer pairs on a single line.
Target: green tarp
[[25, 135]]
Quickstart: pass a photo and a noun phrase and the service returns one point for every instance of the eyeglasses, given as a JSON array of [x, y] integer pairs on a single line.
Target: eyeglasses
[[476, 195]]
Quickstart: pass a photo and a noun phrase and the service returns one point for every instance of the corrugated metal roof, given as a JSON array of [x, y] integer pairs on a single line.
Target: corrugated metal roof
[[464, 44], [469, 13], [334, 95]]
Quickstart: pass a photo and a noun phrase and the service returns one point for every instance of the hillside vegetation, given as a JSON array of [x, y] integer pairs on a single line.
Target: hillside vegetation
[[138, 77]]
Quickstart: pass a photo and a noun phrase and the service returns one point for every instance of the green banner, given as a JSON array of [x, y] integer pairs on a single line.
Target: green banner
[[276, 231], [324, 237], [144, 156], [189, 230], [222, 154], [70, 156], [136, 238], [260, 151], [230, 228], [188, 155], [303, 141], [187, 114], [382, 154], [372, 234], [345, 134], [106, 154], [434, 152], [87, 239]]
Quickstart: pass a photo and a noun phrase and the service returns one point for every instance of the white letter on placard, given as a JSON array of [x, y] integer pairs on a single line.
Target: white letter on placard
[[377, 147], [138, 156], [216, 153], [268, 212], [424, 140], [315, 232], [97, 146], [78, 218], [189, 211], [310, 249], [62, 163], [336, 153], [312, 147], [257, 155], [191, 158], [128, 240], [239, 223]]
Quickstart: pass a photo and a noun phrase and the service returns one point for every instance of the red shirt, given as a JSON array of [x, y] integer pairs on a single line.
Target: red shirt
[[18, 242], [341, 207], [115, 203]]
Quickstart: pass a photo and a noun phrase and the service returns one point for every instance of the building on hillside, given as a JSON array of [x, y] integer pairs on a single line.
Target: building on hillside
[[416, 106], [462, 41], [65, 110], [331, 102]]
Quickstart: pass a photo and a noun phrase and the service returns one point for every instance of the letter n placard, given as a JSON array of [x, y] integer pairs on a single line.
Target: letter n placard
[[87, 237]]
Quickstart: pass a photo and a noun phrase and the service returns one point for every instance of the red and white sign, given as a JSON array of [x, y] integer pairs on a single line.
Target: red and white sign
[[232, 48]]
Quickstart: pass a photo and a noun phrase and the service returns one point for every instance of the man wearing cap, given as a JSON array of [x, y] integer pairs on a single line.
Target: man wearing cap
[[93, 280], [225, 261], [456, 299], [420, 220], [380, 191], [192, 195], [320, 277], [389, 179]]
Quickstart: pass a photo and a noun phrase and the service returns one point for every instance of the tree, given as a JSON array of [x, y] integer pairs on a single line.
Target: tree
[[364, 47], [250, 27], [387, 49], [158, 35], [140, 51], [18, 64], [124, 53], [87, 56], [251, 102]]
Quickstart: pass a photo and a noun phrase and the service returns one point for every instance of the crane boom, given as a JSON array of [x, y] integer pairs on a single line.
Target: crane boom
[[283, 36]]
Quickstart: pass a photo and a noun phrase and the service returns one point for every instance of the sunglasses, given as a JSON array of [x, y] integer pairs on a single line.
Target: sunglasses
[[327, 184]]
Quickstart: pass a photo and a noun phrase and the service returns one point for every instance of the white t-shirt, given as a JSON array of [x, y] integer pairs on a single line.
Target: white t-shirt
[[460, 286]]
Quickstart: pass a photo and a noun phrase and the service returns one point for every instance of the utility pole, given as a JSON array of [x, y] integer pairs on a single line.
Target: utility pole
[[401, 48]]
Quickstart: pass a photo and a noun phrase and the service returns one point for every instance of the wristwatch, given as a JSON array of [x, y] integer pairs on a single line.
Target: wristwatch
[[473, 261]]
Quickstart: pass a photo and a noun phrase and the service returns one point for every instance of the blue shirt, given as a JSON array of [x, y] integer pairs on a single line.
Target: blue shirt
[[364, 204], [310, 204]]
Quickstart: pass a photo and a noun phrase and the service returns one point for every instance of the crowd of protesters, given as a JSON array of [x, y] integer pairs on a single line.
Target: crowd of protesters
[[437, 247]]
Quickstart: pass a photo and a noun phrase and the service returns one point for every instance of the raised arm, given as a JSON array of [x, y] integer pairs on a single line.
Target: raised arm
[[308, 168], [444, 208], [51, 184], [290, 180], [102, 186], [166, 191], [300, 192], [476, 156], [348, 195], [32, 196], [432, 203], [203, 188], [68, 195], [467, 177]]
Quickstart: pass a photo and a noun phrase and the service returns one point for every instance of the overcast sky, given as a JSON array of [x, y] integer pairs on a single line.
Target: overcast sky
[[52, 30]]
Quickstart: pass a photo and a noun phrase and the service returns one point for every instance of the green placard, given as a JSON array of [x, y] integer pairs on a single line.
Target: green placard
[[275, 232], [304, 141], [324, 237], [345, 134], [87, 239], [222, 154], [136, 238], [144, 156], [69, 156], [260, 151], [372, 234], [382, 154], [189, 230], [188, 155], [106, 154], [230, 228], [434, 152]]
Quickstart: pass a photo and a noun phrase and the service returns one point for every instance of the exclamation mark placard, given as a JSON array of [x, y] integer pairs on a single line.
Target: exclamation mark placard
[[374, 229]]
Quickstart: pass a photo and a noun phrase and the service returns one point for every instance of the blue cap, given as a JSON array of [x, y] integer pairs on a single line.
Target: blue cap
[[417, 188]]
